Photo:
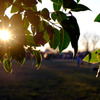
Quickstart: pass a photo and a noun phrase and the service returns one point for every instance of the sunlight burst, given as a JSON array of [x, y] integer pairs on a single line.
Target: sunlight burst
[[4, 35]]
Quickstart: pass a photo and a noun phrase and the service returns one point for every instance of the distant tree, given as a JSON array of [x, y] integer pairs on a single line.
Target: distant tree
[[86, 42], [95, 40], [89, 41], [25, 13]]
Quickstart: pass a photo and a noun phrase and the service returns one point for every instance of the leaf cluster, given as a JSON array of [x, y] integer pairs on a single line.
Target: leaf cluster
[[43, 30]]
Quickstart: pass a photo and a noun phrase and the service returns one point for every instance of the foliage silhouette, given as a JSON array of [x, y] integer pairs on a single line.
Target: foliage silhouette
[[25, 13]]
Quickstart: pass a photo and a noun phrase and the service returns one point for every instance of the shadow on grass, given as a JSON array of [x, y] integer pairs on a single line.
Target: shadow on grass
[[55, 80]]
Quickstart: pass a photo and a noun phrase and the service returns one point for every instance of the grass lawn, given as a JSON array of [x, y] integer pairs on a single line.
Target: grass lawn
[[55, 80]]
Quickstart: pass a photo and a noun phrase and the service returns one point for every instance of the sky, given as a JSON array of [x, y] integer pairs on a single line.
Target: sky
[[85, 19]]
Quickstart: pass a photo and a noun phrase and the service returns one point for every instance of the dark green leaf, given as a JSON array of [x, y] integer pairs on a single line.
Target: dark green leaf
[[14, 9], [38, 57], [40, 1], [93, 57], [71, 26], [61, 16], [56, 7], [80, 7], [54, 16], [78, 1], [69, 4], [64, 40], [97, 19], [45, 13], [7, 65], [56, 39], [57, 1]]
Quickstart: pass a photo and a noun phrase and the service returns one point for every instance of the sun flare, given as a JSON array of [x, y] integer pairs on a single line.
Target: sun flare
[[4, 35]]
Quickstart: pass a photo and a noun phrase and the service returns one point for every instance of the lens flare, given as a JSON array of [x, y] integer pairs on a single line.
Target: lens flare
[[4, 35]]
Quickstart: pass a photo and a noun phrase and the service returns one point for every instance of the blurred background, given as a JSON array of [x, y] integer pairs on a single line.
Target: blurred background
[[59, 77]]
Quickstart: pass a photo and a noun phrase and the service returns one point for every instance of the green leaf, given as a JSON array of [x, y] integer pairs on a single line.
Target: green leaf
[[17, 52], [9, 56], [56, 7], [40, 1], [46, 36], [80, 7], [78, 1], [41, 26], [7, 65], [45, 13], [97, 19], [38, 57], [57, 1], [54, 16], [71, 26], [22, 61], [27, 32], [30, 40], [71, 4], [26, 22], [56, 39], [34, 8], [93, 57], [14, 9], [64, 40], [61, 16]]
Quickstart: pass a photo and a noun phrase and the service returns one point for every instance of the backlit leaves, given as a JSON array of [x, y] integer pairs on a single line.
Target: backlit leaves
[[93, 57], [97, 19], [14, 9], [43, 30], [64, 40], [38, 57], [30, 40], [56, 39], [26, 22], [7, 65]]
